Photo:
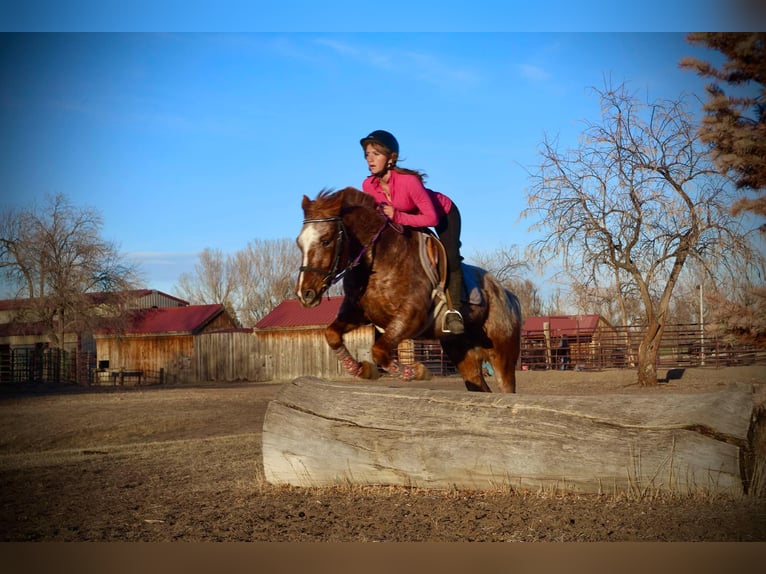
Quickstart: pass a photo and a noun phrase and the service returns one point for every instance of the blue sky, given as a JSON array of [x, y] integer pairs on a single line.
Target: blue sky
[[187, 140], [392, 15]]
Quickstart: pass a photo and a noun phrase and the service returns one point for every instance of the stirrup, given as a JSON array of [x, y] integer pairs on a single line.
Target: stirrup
[[448, 313]]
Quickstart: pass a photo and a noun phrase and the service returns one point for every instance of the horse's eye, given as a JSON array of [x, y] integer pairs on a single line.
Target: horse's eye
[[325, 242]]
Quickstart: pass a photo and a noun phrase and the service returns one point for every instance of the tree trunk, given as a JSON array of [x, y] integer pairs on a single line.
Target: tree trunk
[[648, 352], [321, 433]]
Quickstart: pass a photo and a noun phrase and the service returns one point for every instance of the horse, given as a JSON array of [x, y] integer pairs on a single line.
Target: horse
[[387, 282]]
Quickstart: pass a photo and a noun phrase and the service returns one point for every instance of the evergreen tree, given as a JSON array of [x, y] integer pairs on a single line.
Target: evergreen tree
[[735, 122]]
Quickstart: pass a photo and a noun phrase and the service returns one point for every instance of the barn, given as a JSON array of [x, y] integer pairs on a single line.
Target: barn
[[293, 338], [27, 352], [591, 339], [158, 343]]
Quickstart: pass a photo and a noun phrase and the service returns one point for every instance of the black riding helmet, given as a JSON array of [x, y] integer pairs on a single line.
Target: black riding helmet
[[382, 137]]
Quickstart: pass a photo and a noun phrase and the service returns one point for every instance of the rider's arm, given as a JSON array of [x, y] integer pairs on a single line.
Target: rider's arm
[[413, 203]]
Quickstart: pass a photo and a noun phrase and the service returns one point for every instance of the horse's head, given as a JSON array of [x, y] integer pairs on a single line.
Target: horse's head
[[330, 223], [321, 245]]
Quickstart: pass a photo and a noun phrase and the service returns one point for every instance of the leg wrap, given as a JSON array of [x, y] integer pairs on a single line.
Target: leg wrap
[[349, 363], [405, 372]]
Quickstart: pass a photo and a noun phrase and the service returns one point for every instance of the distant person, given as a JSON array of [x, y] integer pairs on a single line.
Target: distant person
[[563, 352], [405, 200]]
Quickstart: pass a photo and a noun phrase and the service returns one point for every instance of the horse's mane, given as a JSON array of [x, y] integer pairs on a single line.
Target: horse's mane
[[343, 200], [357, 208], [353, 197]]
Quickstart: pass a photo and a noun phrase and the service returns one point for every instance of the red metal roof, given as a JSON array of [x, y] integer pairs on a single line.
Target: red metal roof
[[95, 298], [166, 320], [34, 328], [570, 325], [14, 304], [290, 313]]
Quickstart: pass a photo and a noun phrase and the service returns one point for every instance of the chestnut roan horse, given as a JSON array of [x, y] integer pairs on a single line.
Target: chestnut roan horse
[[345, 236]]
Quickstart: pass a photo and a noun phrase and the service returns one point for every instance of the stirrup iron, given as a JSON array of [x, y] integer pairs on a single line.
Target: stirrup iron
[[444, 320]]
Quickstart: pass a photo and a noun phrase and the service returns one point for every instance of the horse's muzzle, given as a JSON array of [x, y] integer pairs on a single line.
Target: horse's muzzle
[[309, 297]]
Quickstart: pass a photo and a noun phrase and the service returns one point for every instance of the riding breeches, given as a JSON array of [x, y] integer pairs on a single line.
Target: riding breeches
[[448, 230]]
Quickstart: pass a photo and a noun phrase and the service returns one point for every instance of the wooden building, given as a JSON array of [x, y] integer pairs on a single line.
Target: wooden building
[[158, 343], [27, 349], [292, 337]]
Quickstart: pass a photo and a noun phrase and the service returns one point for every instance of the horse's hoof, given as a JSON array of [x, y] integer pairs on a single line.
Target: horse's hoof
[[369, 371], [422, 373]]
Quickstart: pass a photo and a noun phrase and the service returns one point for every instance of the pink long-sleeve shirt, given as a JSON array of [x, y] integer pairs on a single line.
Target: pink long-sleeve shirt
[[414, 204]]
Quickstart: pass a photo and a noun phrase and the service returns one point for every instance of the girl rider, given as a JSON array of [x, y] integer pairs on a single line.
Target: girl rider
[[405, 200]]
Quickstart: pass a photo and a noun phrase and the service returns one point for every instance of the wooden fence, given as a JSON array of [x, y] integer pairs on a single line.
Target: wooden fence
[[273, 355], [231, 357], [286, 354]]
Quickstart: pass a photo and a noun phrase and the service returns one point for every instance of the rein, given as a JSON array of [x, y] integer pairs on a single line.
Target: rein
[[332, 276]]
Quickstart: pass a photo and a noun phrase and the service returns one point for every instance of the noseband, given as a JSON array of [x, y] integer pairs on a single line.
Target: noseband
[[332, 275]]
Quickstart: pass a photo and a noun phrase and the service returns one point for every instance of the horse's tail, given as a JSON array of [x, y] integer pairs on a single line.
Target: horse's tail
[[504, 304], [503, 327], [515, 305]]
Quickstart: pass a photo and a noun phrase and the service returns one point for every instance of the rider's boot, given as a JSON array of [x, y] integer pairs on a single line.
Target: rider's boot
[[453, 320]]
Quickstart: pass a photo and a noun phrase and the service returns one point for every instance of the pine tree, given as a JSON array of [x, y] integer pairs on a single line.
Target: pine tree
[[735, 122]]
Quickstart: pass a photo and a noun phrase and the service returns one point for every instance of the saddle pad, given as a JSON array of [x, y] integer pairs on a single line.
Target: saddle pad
[[471, 288]]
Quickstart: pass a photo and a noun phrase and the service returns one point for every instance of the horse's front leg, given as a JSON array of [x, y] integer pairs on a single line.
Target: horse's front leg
[[334, 335]]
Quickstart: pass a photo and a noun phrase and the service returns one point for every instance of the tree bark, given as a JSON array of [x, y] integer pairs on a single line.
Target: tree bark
[[321, 433], [648, 351]]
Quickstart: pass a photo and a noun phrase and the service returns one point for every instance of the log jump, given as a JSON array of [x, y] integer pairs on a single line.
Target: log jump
[[324, 433]]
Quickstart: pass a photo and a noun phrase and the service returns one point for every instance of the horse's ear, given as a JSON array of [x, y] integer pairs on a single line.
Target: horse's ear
[[305, 203]]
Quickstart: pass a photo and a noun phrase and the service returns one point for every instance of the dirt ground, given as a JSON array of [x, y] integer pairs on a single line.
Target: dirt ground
[[184, 463]]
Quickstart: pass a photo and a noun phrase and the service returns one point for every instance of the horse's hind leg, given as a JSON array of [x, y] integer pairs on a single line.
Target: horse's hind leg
[[469, 363], [504, 365], [503, 328], [505, 354], [473, 374]]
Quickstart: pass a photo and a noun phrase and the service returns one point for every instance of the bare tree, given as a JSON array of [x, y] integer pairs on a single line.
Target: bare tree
[[250, 283], [55, 256], [265, 272], [610, 300], [636, 200], [509, 267], [213, 281]]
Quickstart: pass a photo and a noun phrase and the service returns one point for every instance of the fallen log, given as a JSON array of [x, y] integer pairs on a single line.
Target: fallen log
[[322, 433]]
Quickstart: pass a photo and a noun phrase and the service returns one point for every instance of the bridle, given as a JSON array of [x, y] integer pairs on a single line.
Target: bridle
[[332, 275]]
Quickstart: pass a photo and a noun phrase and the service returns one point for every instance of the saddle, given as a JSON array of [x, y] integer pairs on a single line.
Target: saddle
[[433, 259]]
